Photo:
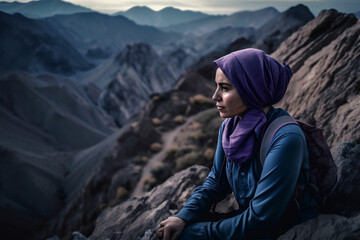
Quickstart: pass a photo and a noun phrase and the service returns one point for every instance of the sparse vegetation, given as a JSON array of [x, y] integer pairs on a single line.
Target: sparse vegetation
[[134, 124], [156, 147], [209, 154], [121, 193], [179, 119], [140, 159], [170, 153], [148, 183], [200, 99], [188, 160], [155, 98], [156, 121]]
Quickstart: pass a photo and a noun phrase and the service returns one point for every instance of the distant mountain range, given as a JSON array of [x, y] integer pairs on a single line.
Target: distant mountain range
[[87, 31], [62, 44], [42, 8], [165, 17], [253, 19]]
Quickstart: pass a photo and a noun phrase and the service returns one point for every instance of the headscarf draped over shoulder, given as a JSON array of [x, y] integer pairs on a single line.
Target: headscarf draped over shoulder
[[260, 81]]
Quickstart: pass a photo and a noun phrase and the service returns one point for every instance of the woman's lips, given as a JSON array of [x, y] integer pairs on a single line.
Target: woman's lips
[[219, 107]]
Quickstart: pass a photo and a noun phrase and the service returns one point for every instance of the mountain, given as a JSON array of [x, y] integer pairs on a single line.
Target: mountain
[[42, 48], [271, 34], [130, 77], [42, 8], [162, 18], [45, 125], [89, 31], [253, 19]]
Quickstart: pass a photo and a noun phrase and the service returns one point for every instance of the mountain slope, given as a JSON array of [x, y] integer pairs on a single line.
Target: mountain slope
[[42, 8], [42, 49], [324, 91], [162, 18], [44, 123]]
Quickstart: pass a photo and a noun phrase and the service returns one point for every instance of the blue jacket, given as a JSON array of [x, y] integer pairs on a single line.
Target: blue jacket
[[263, 195]]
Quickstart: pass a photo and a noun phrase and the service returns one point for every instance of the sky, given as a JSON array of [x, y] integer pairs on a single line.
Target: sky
[[216, 6]]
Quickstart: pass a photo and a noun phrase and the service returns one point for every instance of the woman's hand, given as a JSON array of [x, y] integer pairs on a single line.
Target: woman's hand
[[171, 228]]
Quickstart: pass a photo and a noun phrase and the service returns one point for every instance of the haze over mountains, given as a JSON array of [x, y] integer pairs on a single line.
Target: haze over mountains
[[42, 8], [87, 98]]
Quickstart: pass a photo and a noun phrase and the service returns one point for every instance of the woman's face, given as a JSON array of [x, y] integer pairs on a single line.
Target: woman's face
[[228, 100]]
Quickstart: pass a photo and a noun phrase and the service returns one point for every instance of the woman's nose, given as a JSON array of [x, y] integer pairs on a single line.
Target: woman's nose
[[216, 96]]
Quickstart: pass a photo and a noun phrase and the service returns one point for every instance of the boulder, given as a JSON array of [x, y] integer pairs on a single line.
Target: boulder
[[346, 197], [342, 220], [140, 217]]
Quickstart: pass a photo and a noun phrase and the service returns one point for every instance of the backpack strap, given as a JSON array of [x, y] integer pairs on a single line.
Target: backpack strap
[[270, 133]]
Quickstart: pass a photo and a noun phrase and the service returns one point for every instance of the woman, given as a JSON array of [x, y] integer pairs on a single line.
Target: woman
[[248, 83]]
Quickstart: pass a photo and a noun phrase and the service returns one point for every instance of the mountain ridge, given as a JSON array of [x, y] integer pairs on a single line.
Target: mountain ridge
[[42, 8], [144, 15]]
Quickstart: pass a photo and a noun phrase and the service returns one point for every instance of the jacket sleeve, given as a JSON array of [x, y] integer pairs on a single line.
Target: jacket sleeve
[[215, 187], [273, 193]]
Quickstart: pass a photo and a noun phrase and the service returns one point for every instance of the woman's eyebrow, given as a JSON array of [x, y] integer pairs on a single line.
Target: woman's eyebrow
[[226, 84]]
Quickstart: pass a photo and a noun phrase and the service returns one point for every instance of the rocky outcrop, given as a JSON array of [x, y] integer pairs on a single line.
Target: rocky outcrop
[[346, 195], [343, 218], [141, 216], [324, 90]]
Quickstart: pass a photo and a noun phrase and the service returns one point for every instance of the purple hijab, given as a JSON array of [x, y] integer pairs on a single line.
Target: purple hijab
[[260, 81]]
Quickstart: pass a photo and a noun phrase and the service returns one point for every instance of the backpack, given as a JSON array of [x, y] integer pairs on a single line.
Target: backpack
[[323, 170]]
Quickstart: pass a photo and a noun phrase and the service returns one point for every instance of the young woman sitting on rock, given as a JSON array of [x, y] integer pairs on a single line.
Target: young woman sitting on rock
[[248, 83]]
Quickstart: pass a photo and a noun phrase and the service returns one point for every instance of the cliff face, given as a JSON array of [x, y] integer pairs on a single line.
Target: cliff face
[[324, 91]]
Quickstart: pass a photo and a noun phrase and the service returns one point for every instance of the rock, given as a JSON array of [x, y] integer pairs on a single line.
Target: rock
[[346, 197], [140, 217], [344, 220], [324, 90], [325, 227]]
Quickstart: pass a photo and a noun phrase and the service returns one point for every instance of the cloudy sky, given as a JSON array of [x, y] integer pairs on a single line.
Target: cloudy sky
[[216, 6]]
